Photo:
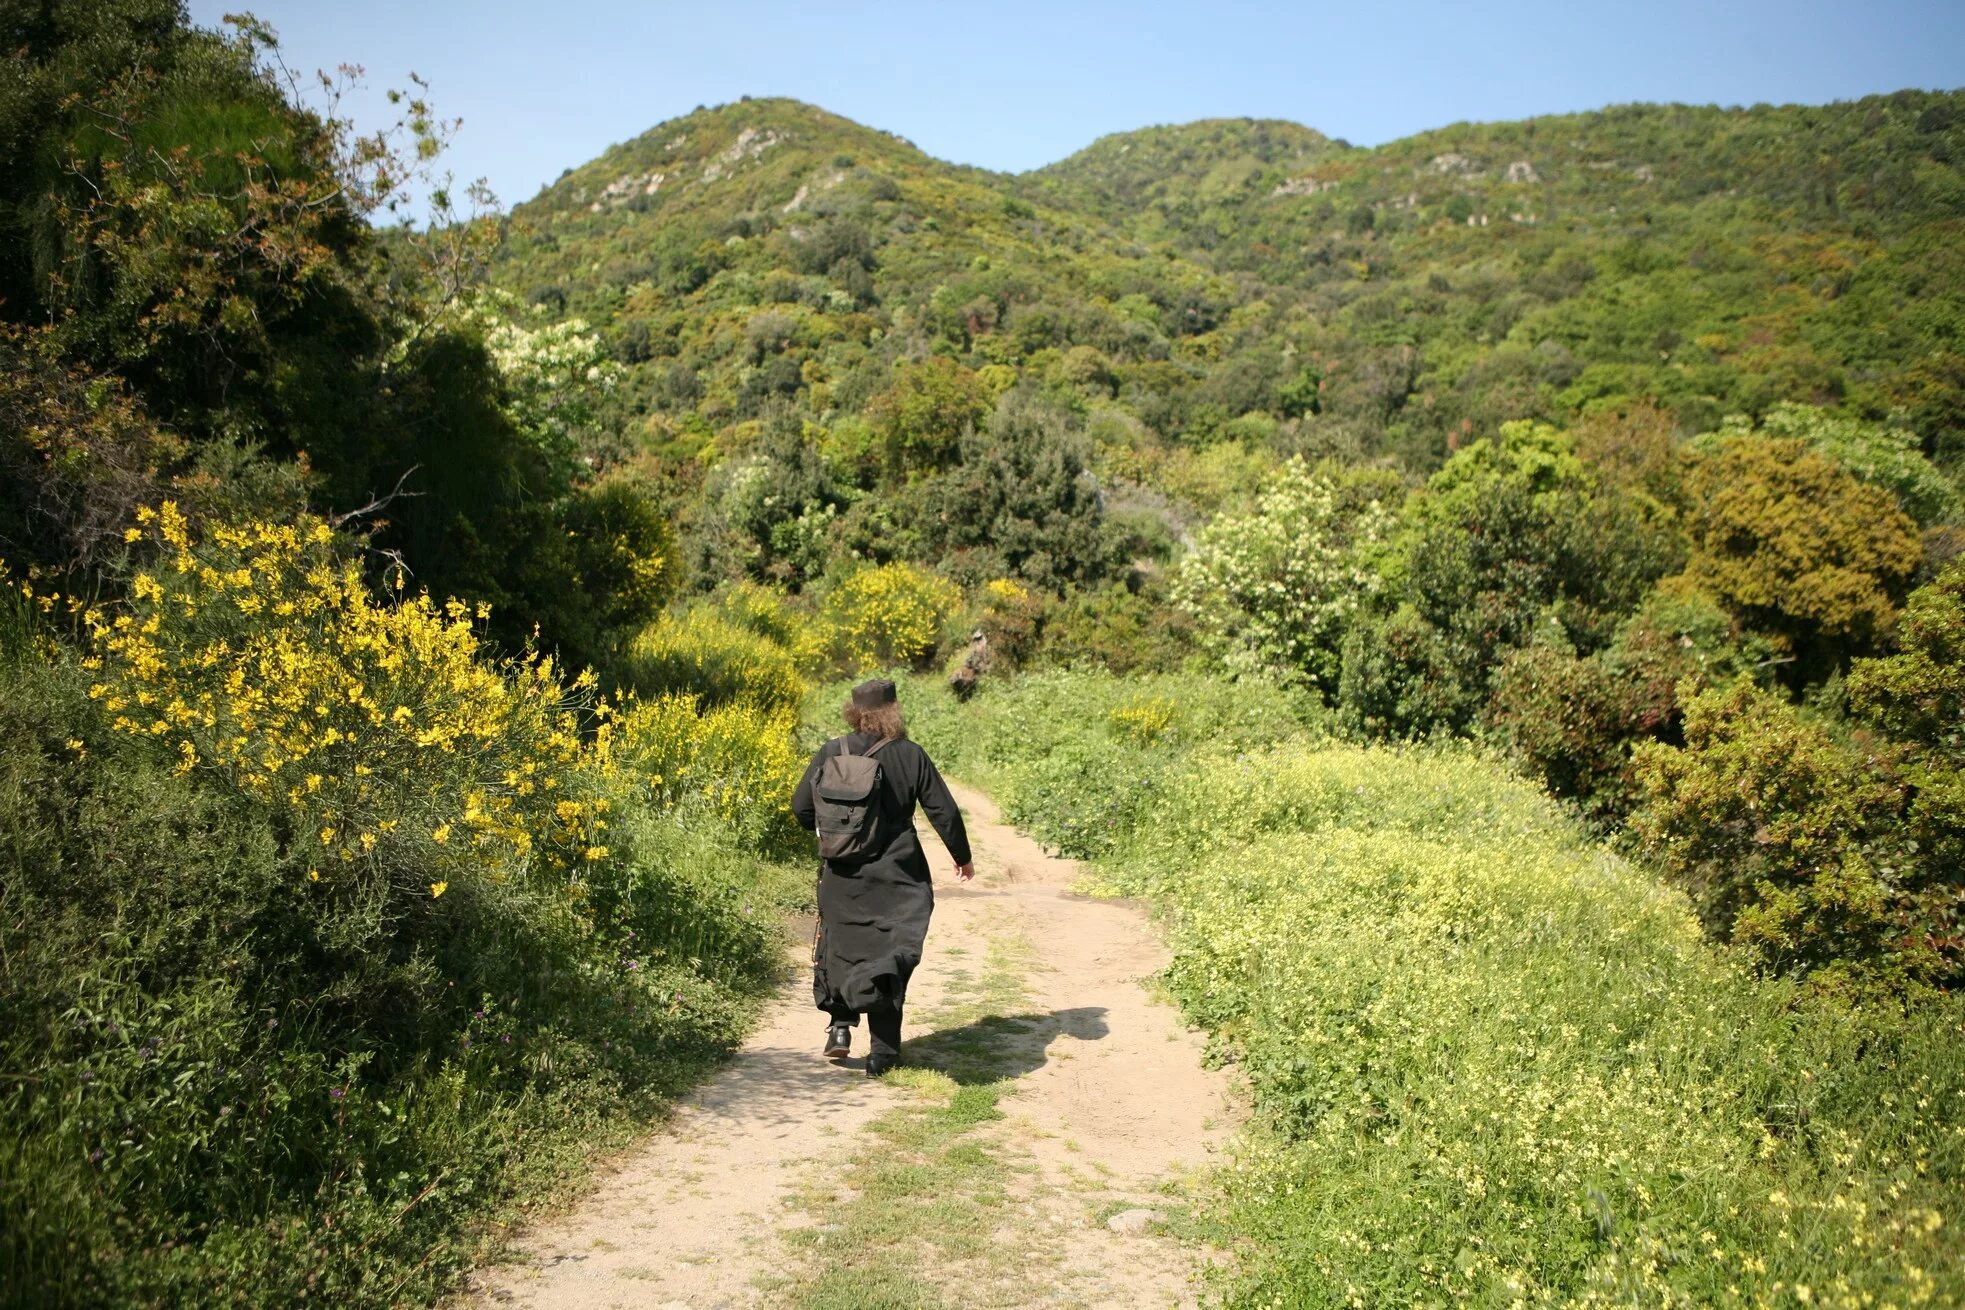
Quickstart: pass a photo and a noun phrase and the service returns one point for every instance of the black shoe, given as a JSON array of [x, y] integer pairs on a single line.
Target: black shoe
[[839, 1041], [878, 1065]]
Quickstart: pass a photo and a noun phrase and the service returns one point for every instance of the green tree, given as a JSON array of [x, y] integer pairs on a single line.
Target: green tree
[[1513, 542], [1273, 590], [920, 419], [1797, 546], [1022, 500], [1918, 695], [1884, 456], [1786, 838], [1403, 679]]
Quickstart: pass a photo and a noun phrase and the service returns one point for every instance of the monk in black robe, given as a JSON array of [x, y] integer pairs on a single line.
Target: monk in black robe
[[873, 913]]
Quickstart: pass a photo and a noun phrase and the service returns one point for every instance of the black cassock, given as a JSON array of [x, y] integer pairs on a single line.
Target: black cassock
[[873, 915]]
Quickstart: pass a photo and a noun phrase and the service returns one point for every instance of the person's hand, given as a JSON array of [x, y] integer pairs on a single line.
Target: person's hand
[[965, 871]]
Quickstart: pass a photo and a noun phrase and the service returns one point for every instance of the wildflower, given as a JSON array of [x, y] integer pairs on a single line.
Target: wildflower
[[438, 888], [313, 875], [441, 833]]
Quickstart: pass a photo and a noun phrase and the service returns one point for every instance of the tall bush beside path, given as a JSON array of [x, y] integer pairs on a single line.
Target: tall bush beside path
[[329, 936]]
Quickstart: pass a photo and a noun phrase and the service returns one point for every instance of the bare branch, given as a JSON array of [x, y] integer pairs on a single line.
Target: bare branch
[[379, 503]]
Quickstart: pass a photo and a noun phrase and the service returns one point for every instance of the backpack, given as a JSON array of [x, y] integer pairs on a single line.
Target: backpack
[[847, 802]]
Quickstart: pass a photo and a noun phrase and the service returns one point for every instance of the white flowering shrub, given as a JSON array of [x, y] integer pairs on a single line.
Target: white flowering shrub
[[1271, 591], [555, 375]]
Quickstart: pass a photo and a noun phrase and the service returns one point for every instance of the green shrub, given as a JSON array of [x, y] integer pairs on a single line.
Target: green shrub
[[1781, 833], [1010, 616], [1403, 678], [1797, 547], [1273, 590], [1884, 456], [1573, 721], [1116, 629], [920, 418], [764, 611], [1021, 501], [1569, 721], [1918, 695]]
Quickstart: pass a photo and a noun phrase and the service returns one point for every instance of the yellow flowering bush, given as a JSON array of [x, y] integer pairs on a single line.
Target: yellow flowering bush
[[253, 653], [1144, 721], [312, 900], [1004, 591], [772, 614], [705, 655], [740, 759], [890, 614]]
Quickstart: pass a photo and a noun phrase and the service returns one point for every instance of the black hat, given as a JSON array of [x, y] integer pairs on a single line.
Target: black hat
[[873, 693]]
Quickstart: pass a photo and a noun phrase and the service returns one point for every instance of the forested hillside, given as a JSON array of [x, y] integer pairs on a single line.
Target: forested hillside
[[405, 630], [1255, 280]]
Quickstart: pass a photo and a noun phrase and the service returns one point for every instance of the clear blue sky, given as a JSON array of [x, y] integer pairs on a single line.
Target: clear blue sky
[[544, 86]]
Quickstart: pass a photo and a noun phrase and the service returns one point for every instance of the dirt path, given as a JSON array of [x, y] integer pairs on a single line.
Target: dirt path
[[1068, 1101]]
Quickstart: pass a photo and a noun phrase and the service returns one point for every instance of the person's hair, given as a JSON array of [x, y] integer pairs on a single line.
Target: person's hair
[[883, 722]]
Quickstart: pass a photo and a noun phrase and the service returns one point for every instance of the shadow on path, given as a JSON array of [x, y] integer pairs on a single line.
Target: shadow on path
[[1000, 1046]]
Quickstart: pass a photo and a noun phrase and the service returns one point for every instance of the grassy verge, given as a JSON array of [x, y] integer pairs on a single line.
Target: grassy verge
[[1493, 1062], [932, 1186]]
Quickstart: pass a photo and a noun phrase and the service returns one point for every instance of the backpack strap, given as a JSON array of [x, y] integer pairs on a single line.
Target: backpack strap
[[880, 745]]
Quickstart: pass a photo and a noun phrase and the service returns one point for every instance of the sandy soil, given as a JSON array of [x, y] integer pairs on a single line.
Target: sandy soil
[[1109, 1103]]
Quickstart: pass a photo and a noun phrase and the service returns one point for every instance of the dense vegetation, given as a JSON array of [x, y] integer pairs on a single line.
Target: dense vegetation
[[1493, 1062], [405, 627]]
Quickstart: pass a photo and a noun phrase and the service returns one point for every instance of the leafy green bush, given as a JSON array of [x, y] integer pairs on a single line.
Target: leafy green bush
[[1273, 590], [759, 609], [1775, 828], [921, 417], [1797, 547], [1573, 721], [1116, 629], [1403, 678], [1570, 721], [1884, 456], [1022, 501], [1514, 542]]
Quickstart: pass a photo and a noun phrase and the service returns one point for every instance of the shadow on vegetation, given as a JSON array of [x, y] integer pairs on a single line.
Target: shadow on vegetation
[[996, 1046]]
